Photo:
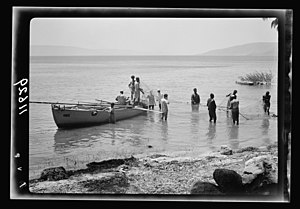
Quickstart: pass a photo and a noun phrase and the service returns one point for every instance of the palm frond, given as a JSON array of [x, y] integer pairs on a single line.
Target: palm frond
[[258, 77]]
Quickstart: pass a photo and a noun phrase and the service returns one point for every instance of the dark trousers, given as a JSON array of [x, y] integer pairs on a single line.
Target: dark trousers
[[235, 116], [212, 115], [267, 108], [164, 115]]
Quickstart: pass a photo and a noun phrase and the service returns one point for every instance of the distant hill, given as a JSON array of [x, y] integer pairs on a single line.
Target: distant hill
[[251, 49], [47, 50]]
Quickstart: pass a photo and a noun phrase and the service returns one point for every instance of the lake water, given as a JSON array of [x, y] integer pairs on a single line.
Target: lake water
[[82, 79]]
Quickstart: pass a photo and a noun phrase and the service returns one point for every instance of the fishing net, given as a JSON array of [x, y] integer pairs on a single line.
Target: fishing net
[[251, 111], [147, 91]]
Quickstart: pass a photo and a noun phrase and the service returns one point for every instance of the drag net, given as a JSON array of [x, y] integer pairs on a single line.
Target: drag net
[[252, 111]]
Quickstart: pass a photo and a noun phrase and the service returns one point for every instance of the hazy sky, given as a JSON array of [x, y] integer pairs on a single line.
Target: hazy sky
[[151, 35]]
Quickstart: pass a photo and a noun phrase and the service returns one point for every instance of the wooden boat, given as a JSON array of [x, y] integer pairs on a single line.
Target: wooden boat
[[71, 116], [250, 83]]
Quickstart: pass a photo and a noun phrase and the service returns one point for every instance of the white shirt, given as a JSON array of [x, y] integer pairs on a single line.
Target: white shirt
[[164, 105], [159, 98]]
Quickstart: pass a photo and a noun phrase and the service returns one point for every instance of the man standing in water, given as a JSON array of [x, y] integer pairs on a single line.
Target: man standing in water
[[231, 96], [151, 101], [234, 106], [267, 104], [164, 107], [211, 104], [195, 98], [111, 110]]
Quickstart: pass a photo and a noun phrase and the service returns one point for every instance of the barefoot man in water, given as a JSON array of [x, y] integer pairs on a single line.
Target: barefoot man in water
[[164, 107], [267, 104], [234, 106]]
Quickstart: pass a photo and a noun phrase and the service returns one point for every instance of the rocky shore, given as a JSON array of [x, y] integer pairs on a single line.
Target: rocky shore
[[245, 171]]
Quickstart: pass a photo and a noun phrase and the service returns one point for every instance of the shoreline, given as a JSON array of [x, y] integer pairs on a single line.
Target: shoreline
[[160, 173]]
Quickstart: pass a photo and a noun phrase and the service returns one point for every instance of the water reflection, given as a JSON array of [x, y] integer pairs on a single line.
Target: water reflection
[[164, 130], [233, 134], [151, 117], [65, 139], [265, 130], [265, 126], [195, 118], [124, 132], [211, 134], [195, 108]]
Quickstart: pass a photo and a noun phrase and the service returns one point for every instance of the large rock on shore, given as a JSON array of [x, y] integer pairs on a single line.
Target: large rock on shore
[[228, 181], [54, 174], [225, 150], [205, 188], [264, 167]]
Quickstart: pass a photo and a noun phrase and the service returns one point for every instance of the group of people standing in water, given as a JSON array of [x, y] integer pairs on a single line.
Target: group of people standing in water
[[232, 104], [162, 99]]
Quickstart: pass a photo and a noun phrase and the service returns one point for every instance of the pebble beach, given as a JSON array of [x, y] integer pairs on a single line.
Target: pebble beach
[[156, 174]]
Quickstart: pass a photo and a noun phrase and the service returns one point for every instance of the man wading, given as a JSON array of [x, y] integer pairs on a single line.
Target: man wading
[[267, 104], [211, 104], [234, 106], [195, 98]]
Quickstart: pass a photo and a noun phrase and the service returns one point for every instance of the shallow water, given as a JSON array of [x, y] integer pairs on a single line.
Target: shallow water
[[72, 79]]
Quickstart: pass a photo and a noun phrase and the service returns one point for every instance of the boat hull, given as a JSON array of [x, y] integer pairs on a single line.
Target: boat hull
[[72, 117], [249, 83]]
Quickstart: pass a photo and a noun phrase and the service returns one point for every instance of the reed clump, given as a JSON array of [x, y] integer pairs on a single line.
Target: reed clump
[[258, 77]]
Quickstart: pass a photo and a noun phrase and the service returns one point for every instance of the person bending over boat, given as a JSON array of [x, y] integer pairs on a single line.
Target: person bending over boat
[[131, 86], [211, 104], [234, 106], [266, 101], [164, 107], [195, 98], [137, 90], [121, 99]]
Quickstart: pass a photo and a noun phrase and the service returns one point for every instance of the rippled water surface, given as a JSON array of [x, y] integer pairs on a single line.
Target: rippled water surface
[[76, 79]]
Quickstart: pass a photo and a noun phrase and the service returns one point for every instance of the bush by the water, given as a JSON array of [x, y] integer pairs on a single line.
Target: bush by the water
[[257, 77]]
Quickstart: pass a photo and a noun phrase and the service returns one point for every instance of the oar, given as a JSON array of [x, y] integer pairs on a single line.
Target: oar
[[83, 102], [64, 103], [119, 105], [100, 100], [144, 109]]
